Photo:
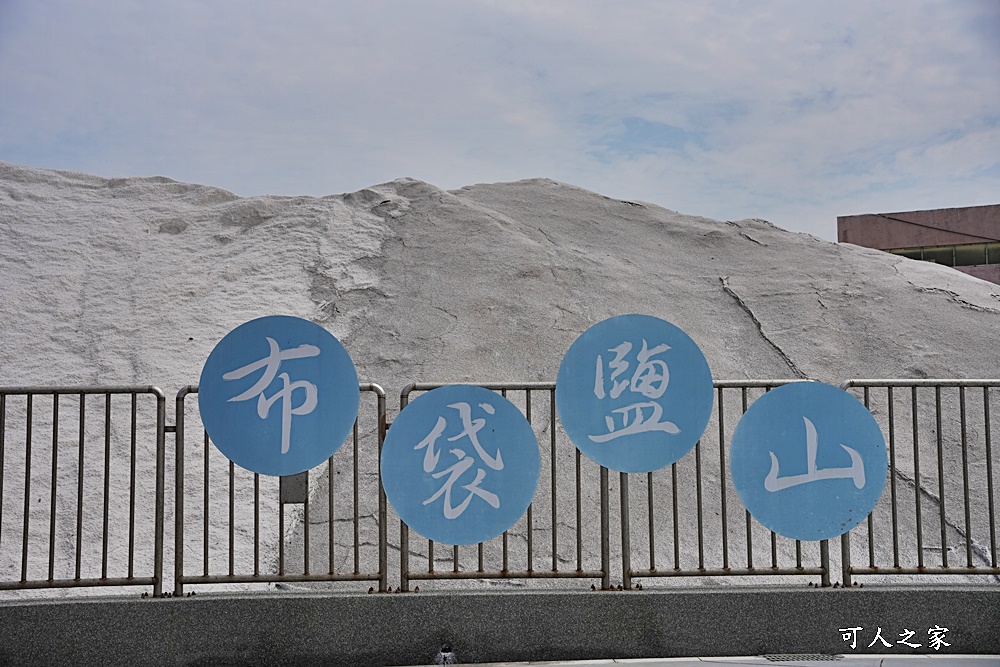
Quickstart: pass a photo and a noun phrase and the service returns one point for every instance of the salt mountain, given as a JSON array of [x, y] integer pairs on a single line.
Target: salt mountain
[[134, 280]]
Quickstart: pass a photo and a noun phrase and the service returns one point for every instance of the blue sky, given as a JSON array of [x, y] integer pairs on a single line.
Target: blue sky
[[794, 112]]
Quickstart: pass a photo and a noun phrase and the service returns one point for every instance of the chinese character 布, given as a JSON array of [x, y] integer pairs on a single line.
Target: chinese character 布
[[271, 364]]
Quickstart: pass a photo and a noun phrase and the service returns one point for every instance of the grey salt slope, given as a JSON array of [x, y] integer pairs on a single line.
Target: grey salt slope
[[134, 280], [532, 264]]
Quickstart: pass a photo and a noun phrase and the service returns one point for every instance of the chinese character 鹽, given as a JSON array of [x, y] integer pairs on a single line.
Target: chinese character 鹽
[[649, 379]]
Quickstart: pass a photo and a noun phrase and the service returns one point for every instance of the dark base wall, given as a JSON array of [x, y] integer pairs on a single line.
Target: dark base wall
[[407, 629]]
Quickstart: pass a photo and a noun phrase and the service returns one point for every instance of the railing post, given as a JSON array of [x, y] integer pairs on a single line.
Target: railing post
[[404, 530], [626, 535], [179, 489], [161, 445], [824, 562], [605, 532], [845, 558], [383, 511], [404, 557]]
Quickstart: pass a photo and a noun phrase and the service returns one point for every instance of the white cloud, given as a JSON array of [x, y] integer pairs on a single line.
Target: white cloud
[[789, 107]]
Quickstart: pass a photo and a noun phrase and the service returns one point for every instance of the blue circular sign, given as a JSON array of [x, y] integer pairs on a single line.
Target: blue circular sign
[[808, 461], [460, 464], [278, 395], [634, 393]]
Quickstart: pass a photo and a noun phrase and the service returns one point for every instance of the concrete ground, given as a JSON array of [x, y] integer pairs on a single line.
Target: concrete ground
[[790, 660], [650, 628]]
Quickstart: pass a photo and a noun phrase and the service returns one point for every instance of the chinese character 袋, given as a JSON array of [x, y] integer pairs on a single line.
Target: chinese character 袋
[[464, 461]]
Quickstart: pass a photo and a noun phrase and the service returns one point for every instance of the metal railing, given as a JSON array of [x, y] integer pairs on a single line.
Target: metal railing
[[922, 421], [70, 455], [562, 467], [63, 480], [237, 557], [704, 509]]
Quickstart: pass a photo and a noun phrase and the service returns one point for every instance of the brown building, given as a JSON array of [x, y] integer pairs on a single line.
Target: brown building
[[967, 239]]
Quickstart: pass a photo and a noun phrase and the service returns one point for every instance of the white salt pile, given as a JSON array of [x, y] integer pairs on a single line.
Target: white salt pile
[[133, 281]]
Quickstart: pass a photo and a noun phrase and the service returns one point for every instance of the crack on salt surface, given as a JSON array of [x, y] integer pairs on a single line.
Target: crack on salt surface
[[819, 298], [977, 549], [547, 237], [742, 304], [750, 238], [445, 311], [555, 322], [949, 294], [623, 201], [954, 297], [563, 308], [322, 288]]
